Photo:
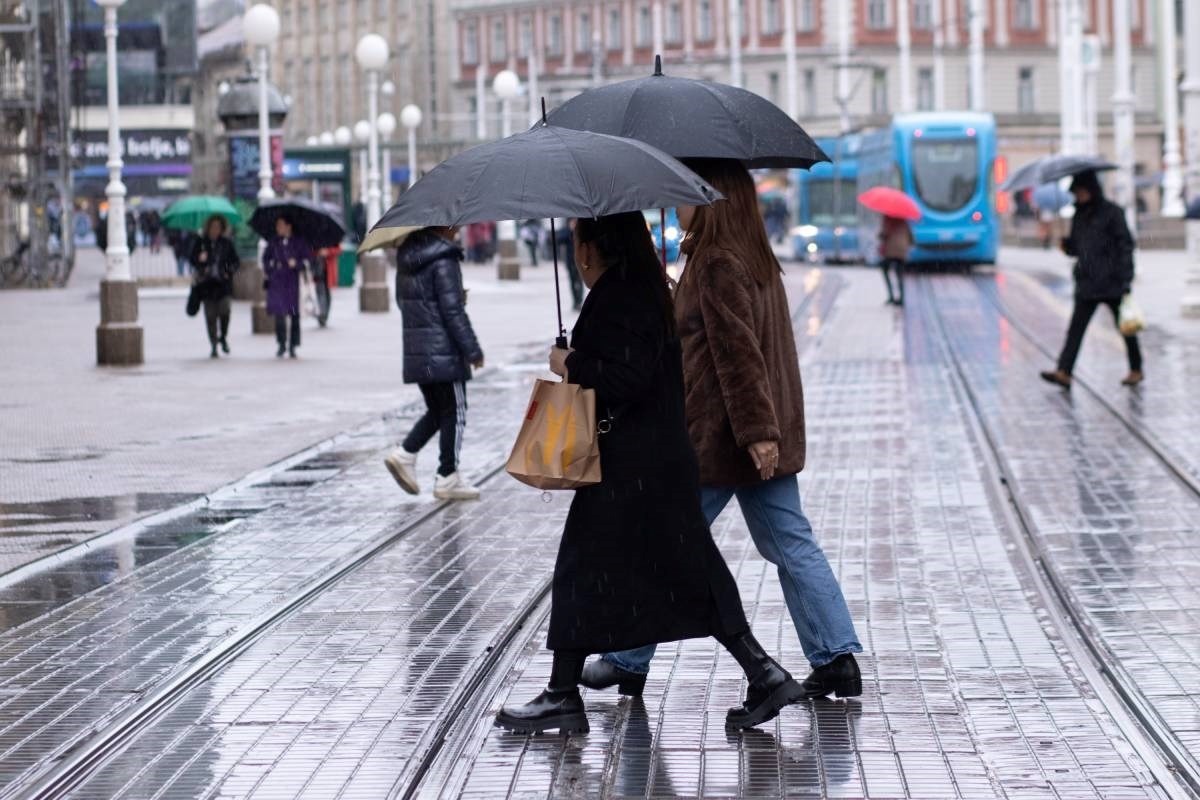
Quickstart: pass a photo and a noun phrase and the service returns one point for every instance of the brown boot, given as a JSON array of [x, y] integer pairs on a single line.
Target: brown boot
[[1057, 377], [1133, 378]]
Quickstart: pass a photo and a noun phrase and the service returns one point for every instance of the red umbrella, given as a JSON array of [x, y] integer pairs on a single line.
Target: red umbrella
[[890, 202]]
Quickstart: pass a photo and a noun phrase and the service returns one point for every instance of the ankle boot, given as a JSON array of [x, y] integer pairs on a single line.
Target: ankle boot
[[839, 677], [601, 674], [771, 686], [558, 707]]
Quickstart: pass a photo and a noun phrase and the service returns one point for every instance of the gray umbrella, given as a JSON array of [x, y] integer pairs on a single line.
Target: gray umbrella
[[1053, 168], [693, 119], [547, 171]]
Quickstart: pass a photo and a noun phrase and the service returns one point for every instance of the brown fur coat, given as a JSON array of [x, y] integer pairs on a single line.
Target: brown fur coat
[[741, 371]]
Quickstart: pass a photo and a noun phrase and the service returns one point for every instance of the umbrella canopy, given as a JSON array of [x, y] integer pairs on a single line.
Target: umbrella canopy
[[386, 237], [890, 202], [1193, 209], [693, 119], [547, 171], [1052, 168], [1051, 197], [190, 213], [312, 222]]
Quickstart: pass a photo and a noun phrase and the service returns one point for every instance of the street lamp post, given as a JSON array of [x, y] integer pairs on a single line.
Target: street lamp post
[[261, 28], [1172, 161], [1123, 111], [1191, 127], [975, 24], [386, 125], [372, 55], [507, 85], [410, 118], [362, 135], [119, 337]]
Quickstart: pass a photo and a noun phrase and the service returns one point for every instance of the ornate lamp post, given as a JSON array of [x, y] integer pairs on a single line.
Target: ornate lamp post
[[372, 55], [1191, 128], [261, 27], [386, 125], [410, 118], [362, 135], [119, 338], [507, 85]]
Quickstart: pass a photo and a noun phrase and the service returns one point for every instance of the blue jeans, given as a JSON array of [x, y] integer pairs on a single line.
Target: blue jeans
[[784, 536]]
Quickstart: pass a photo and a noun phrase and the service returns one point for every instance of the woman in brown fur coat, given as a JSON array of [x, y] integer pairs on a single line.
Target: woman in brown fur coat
[[745, 416]]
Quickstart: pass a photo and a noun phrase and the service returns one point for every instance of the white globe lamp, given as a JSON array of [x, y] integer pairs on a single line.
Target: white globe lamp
[[362, 131], [410, 116], [372, 52], [343, 137], [261, 25], [327, 138]]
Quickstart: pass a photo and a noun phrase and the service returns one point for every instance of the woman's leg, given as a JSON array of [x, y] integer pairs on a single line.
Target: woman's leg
[[1132, 349], [295, 340], [281, 334], [884, 266], [770, 686], [428, 424], [224, 311], [211, 312]]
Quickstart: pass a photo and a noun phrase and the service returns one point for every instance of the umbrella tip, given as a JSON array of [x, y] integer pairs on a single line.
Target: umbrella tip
[[658, 65], [544, 111]]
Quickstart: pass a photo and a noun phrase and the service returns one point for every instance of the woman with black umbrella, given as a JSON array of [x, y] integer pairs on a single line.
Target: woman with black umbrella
[[284, 259], [213, 261], [637, 564]]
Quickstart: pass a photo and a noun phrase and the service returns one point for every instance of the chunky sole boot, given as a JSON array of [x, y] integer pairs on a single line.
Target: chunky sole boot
[[839, 677], [755, 711], [601, 674], [562, 711]]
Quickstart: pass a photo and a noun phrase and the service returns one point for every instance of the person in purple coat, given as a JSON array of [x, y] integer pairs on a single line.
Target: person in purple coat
[[284, 261]]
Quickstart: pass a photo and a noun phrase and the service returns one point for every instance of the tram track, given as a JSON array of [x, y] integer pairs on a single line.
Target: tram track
[[83, 758], [1173, 766]]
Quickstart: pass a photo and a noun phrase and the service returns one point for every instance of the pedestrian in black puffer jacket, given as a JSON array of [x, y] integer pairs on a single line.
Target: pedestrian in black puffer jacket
[[440, 350], [1103, 249]]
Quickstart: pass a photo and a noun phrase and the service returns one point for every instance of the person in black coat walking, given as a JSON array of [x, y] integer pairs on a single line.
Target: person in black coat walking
[[214, 260], [637, 564], [440, 350], [1103, 250]]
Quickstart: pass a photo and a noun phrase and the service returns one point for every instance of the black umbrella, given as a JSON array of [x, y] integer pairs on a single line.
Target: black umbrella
[[693, 119], [312, 222], [547, 171], [1193, 209], [1053, 168]]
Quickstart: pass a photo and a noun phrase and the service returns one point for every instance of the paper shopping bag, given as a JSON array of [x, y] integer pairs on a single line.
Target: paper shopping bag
[[558, 446]]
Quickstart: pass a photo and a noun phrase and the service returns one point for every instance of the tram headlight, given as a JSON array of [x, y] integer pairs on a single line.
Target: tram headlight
[[812, 247], [807, 231]]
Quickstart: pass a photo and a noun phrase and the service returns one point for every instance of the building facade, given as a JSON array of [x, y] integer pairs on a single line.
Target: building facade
[[574, 44]]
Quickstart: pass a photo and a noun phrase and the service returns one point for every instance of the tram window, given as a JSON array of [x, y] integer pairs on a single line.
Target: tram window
[[946, 173]]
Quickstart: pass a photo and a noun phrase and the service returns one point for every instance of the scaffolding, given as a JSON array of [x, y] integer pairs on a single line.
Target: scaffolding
[[36, 200]]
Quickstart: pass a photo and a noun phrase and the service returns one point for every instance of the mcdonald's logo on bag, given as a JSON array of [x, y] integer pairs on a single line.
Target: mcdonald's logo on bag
[[558, 446]]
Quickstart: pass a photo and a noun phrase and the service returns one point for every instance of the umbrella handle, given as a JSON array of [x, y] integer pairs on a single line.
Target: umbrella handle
[[562, 332]]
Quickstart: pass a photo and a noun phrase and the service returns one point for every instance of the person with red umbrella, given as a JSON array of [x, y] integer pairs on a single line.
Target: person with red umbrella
[[895, 236]]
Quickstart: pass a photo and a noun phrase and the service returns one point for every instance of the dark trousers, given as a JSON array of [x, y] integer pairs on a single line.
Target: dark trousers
[[567, 252], [446, 415], [281, 331], [898, 265], [1080, 317], [216, 318], [532, 251]]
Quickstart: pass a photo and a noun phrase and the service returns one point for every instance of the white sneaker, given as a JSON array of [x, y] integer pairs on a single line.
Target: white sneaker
[[403, 466], [454, 487]]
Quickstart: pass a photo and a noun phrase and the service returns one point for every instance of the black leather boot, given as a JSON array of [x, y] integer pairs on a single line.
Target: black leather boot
[[839, 677], [601, 674], [558, 707], [771, 686]]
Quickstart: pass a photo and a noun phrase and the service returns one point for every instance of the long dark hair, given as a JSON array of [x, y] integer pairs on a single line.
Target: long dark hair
[[624, 243], [733, 224]]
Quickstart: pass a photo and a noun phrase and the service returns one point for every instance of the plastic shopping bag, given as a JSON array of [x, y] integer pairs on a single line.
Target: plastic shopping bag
[[1130, 318]]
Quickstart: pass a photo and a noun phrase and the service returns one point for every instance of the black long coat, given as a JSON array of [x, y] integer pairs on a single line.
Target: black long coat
[[214, 275], [439, 342], [637, 564], [1103, 249]]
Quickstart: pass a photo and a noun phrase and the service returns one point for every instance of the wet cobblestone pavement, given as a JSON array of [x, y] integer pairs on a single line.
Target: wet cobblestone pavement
[[346, 641]]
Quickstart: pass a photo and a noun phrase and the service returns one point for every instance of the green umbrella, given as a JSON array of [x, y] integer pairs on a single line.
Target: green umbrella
[[191, 213]]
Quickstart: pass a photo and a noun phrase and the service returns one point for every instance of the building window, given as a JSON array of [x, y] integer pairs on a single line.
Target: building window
[[346, 79], [1024, 15], [704, 21], [1025, 90], [645, 29], [614, 29], [381, 11], [583, 29], [554, 37], [499, 49], [470, 42], [771, 24], [922, 11], [302, 18], [675, 23], [925, 89], [810, 92], [526, 36], [343, 13], [362, 11], [879, 92], [773, 87], [808, 15], [877, 14]]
